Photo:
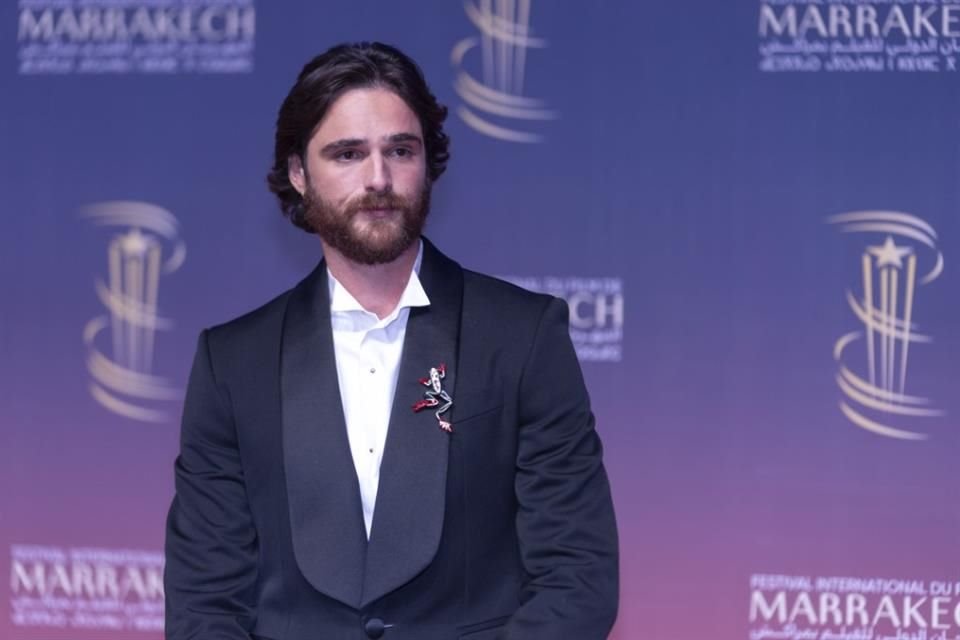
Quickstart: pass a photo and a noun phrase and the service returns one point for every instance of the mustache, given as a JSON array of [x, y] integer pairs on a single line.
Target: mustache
[[388, 200]]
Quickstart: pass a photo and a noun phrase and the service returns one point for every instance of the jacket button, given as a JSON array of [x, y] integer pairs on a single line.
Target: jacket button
[[374, 627]]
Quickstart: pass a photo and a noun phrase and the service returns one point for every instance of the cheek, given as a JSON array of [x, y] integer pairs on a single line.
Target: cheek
[[335, 190], [409, 179]]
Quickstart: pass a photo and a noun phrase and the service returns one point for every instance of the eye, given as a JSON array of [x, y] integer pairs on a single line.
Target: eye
[[402, 152], [348, 155]]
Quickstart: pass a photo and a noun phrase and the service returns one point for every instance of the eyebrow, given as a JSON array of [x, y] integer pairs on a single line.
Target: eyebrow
[[346, 143], [342, 144], [405, 137]]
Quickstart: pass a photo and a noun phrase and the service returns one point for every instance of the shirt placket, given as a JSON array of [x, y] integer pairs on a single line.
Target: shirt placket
[[370, 369]]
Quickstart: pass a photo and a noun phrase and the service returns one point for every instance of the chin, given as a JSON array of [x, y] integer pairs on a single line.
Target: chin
[[379, 234]]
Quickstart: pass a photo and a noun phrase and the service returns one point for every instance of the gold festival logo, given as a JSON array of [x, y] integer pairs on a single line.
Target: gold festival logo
[[889, 279], [496, 105], [123, 381]]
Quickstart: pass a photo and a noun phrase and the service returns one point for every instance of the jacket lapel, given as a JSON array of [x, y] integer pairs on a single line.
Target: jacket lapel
[[408, 517], [326, 517]]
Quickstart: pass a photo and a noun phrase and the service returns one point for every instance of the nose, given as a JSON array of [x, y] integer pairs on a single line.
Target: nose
[[378, 173]]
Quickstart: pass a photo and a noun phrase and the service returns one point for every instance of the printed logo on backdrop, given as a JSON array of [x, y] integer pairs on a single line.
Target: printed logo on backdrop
[[121, 343], [86, 589], [491, 71], [861, 36], [596, 312], [135, 36], [899, 259], [853, 608]]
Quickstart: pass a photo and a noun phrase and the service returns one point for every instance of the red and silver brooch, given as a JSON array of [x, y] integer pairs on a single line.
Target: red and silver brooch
[[436, 396]]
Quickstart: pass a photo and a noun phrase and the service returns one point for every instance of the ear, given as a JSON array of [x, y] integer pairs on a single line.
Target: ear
[[296, 174]]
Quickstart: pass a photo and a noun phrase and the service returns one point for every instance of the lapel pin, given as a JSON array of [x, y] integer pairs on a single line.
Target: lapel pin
[[436, 396]]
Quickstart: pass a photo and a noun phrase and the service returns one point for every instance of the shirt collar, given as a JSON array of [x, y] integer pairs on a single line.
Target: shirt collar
[[342, 301]]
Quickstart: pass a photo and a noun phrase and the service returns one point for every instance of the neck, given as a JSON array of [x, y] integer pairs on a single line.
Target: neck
[[377, 287]]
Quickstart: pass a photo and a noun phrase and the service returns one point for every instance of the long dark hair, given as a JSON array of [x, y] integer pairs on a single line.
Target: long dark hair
[[326, 78]]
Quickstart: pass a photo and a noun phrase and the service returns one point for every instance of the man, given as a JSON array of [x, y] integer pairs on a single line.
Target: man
[[396, 447]]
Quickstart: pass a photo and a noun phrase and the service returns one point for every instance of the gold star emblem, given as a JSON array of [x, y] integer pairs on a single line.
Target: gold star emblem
[[889, 254], [134, 242]]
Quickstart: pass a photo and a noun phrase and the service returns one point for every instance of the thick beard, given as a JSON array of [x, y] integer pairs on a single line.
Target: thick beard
[[381, 241]]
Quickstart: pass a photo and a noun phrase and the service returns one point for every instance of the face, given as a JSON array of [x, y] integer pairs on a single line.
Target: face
[[364, 181]]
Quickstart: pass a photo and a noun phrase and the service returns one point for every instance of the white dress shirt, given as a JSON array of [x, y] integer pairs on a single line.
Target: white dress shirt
[[368, 351]]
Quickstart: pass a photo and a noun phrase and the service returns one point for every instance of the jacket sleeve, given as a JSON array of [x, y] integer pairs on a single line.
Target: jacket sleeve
[[565, 519], [211, 544]]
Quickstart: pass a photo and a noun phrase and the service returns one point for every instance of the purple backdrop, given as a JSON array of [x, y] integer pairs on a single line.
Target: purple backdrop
[[715, 188]]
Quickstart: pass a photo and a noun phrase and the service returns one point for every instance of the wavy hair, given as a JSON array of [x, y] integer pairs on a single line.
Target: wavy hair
[[326, 78]]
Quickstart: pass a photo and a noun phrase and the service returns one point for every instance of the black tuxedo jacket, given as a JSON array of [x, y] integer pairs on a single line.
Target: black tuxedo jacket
[[502, 529]]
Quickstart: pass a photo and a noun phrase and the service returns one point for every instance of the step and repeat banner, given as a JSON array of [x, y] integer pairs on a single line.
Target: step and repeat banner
[[750, 207]]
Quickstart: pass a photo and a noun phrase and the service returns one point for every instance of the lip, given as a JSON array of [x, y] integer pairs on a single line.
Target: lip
[[379, 213]]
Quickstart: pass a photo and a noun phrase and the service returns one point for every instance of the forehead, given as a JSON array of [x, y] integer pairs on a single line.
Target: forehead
[[367, 114]]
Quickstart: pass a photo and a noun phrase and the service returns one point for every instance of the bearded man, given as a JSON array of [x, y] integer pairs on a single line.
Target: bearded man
[[396, 447]]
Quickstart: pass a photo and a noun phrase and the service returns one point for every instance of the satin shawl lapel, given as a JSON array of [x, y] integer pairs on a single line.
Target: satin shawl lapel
[[326, 517], [408, 518]]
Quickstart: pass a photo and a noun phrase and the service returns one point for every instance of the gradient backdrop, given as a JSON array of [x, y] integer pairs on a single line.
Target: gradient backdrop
[[671, 168]]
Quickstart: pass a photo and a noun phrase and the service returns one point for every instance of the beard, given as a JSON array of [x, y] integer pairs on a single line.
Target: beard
[[370, 241]]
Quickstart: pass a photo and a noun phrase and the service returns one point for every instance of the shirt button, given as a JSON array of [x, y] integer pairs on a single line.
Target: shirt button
[[373, 370], [374, 628]]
